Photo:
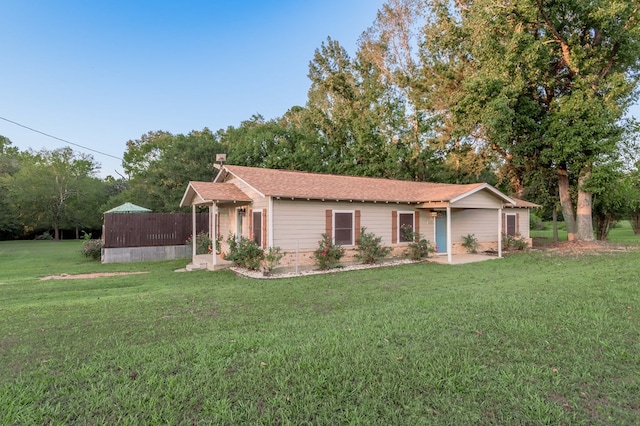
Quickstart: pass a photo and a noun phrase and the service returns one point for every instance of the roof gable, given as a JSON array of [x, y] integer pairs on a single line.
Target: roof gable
[[207, 192]]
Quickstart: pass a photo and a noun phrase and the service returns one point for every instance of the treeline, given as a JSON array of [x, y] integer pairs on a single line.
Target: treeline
[[529, 96]]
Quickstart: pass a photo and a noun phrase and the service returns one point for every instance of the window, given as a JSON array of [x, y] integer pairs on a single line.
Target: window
[[511, 224], [343, 228], [257, 227], [405, 220]]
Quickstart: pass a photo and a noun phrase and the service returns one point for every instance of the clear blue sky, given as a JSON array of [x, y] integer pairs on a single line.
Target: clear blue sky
[[98, 73]]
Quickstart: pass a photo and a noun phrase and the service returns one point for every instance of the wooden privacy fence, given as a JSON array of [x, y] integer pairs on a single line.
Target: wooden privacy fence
[[150, 229]]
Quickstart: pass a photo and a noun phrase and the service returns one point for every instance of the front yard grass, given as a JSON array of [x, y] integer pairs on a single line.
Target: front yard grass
[[529, 339]]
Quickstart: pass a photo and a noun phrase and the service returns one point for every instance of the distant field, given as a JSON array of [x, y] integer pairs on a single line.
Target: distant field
[[530, 339]]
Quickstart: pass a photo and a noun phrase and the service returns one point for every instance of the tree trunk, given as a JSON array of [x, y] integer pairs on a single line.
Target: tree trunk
[[555, 225], [584, 215], [635, 222], [56, 232], [566, 203], [603, 225]]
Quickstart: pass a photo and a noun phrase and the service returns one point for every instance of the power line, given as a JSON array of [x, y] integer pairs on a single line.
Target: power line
[[60, 139]]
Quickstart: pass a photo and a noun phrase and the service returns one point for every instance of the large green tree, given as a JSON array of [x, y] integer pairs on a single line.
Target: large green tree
[[543, 84], [56, 190], [9, 166], [160, 165], [365, 125]]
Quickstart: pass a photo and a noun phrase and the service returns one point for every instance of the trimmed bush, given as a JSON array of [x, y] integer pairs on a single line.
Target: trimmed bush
[[203, 242], [271, 259], [327, 255], [419, 248], [470, 242], [370, 249], [244, 253], [514, 243]]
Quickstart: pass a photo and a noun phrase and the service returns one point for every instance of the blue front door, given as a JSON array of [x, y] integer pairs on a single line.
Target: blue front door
[[441, 232]]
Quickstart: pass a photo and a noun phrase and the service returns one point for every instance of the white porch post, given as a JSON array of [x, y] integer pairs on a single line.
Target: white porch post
[[270, 221], [193, 232], [500, 232], [213, 226], [449, 242]]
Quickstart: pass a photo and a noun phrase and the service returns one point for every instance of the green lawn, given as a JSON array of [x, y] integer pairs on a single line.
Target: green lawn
[[529, 339]]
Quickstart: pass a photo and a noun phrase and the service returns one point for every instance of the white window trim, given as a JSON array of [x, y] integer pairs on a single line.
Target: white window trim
[[413, 222], [506, 223], [353, 226]]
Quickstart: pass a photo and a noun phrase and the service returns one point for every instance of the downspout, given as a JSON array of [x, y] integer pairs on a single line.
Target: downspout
[[449, 243], [500, 232]]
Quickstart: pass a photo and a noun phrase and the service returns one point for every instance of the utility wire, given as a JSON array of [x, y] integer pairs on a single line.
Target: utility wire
[[60, 139]]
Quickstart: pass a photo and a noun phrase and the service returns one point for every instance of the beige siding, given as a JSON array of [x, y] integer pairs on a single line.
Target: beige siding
[[483, 223], [227, 221], [427, 225], [260, 203], [303, 222], [481, 199]]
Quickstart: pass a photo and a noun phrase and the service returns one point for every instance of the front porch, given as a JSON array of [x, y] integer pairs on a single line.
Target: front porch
[[205, 262]]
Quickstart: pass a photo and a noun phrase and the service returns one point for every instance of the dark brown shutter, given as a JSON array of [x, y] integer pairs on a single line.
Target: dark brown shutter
[[394, 227], [416, 219], [504, 223], [357, 230], [328, 227], [250, 214], [264, 228], [517, 224]]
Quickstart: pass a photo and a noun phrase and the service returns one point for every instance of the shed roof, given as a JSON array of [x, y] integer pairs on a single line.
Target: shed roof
[[129, 208]]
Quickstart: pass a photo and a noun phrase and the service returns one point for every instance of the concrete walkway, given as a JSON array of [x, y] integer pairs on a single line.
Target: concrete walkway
[[459, 259]]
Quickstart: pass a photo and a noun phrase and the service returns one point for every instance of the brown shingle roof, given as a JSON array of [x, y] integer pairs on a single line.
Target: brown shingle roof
[[522, 203], [216, 192], [294, 184]]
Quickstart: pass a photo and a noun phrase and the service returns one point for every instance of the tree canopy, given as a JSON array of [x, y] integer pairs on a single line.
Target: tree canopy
[[57, 189], [530, 96]]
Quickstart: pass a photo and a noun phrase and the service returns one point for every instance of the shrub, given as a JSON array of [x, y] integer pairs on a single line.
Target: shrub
[[244, 253], [327, 255], [203, 242], [271, 259], [92, 248], [514, 243], [370, 249], [470, 242], [419, 247]]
